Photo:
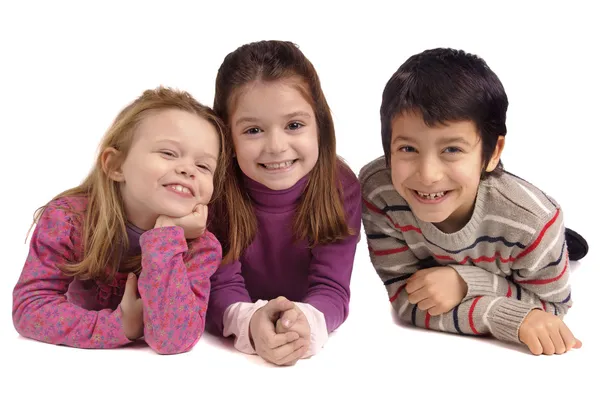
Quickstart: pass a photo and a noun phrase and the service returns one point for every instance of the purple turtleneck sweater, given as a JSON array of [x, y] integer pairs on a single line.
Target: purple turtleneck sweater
[[277, 265]]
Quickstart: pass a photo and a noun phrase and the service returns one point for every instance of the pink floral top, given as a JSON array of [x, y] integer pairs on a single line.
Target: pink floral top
[[174, 285]]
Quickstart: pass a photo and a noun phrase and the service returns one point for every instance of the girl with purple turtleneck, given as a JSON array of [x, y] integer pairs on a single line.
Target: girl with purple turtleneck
[[289, 220]]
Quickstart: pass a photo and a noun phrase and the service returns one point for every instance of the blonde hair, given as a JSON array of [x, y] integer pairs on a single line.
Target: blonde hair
[[104, 225]]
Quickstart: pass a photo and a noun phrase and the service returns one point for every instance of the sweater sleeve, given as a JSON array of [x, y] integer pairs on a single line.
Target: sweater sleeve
[[174, 286], [493, 304], [331, 266], [394, 262], [540, 272], [227, 288], [390, 255], [40, 308]]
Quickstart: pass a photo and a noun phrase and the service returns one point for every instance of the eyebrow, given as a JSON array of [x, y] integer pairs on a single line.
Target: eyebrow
[[178, 145], [402, 138], [443, 141], [453, 140], [287, 116]]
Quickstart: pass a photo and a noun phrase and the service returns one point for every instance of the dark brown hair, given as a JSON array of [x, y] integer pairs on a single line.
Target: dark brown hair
[[445, 85]]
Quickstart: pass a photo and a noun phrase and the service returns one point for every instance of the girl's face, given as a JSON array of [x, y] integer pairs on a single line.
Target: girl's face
[[169, 168], [275, 133]]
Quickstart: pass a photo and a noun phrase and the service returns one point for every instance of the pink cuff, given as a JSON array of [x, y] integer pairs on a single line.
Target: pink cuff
[[236, 321], [318, 328]]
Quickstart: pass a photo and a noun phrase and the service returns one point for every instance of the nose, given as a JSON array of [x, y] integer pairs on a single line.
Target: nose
[[186, 170], [276, 142], [430, 170]]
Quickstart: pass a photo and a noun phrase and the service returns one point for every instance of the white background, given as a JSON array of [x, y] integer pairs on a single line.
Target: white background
[[68, 68]]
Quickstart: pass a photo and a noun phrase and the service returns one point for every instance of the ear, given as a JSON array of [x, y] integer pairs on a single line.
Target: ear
[[495, 159], [111, 164]]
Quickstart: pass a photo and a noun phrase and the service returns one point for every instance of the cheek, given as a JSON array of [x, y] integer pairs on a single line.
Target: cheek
[[308, 146], [400, 171], [246, 150], [467, 174], [207, 185]]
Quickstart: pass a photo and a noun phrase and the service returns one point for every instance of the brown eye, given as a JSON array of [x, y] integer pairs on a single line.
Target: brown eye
[[295, 125], [253, 130]]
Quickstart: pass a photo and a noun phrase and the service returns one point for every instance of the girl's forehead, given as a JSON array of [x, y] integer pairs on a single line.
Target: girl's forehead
[[265, 96]]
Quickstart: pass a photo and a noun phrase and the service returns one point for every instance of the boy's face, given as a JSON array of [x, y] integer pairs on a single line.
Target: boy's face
[[437, 169]]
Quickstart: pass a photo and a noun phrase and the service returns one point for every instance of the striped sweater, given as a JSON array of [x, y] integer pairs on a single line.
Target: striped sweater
[[511, 254]]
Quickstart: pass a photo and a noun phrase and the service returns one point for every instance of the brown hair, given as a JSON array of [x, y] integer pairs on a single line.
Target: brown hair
[[104, 223], [320, 217]]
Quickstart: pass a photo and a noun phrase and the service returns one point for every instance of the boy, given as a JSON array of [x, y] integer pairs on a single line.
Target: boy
[[461, 245]]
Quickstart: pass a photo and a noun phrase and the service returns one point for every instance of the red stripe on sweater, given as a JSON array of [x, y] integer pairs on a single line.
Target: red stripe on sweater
[[372, 207], [403, 228], [540, 237], [395, 296], [509, 293], [478, 259], [471, 310], [546, 281], [386, 252], [409, 227], [427, 318], [543, 305]]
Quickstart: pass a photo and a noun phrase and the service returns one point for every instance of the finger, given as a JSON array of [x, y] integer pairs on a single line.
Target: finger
[[578, 343], [289, 317], [130, 291], [279, 329], [414, 284], [418, 296], [567, 336], [292, 358], [426, 304], [274, 307], [546, 341], [557, 341], [277, 340], [534, 345], [279, 353], [436, 310], [200, 210]]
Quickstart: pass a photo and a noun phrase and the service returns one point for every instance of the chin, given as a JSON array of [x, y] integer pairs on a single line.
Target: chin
[[176, 211], [279, 185]]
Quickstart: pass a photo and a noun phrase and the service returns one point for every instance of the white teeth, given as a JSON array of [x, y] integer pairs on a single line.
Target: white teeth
[[275, 166], [180, 188], [431, 196]]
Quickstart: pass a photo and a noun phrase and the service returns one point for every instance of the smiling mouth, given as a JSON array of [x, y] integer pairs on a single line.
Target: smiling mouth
[[278, 166], [432, 195], [179, 188]]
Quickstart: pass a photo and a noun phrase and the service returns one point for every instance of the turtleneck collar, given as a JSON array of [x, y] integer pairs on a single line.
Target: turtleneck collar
[[275, 201]]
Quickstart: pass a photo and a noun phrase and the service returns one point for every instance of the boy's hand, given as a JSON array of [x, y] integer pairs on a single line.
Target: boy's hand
[[194, 224], [132, 309], [280, 349], [436, 290], [545, 333]]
